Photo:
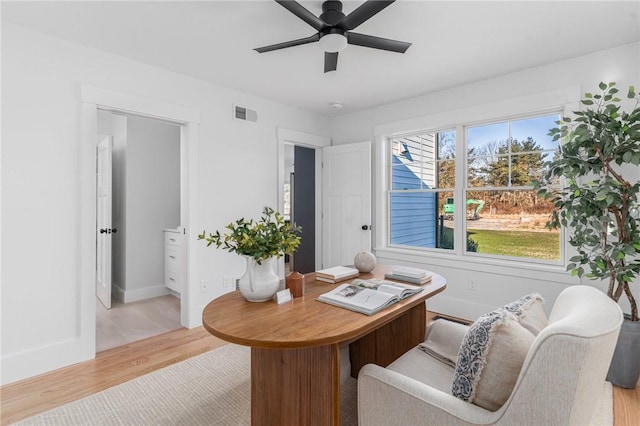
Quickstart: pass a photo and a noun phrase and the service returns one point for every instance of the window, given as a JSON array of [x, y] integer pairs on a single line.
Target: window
[[422, 180], [502, 215]]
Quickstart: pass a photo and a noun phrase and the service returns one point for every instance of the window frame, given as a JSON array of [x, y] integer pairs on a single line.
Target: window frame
[[461, 188], [508, 119]]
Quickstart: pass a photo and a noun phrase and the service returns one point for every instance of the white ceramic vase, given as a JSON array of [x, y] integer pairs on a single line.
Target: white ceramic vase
[[259, 282]]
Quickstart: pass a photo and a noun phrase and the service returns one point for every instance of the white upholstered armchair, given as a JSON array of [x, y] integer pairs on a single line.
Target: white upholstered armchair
[[560, 381]]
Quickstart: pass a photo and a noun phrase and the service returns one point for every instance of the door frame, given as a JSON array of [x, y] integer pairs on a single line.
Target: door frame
[[93, 98], [307, 140]]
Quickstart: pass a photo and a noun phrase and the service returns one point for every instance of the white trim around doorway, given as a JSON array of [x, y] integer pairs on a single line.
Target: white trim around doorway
[[295, 137], [92, 98]]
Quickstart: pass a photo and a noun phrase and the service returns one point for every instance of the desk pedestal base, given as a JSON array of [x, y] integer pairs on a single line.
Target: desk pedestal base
[[295, 386], [389, 342], [302, 386]]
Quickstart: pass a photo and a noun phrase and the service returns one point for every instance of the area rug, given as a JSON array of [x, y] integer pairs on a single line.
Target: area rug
[[210, 389]]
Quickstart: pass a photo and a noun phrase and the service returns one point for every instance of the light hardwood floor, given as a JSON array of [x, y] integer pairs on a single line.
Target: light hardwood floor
[[35, 395], [125, 323], [114, 366]]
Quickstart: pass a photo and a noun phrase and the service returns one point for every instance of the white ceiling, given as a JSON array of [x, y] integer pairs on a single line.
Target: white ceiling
[[454, 42]]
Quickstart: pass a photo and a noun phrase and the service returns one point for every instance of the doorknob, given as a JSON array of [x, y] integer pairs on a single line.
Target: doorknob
[[365, 227], [114, 230]]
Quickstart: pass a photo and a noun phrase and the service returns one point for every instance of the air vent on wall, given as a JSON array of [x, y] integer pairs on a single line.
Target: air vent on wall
[[245, 114]]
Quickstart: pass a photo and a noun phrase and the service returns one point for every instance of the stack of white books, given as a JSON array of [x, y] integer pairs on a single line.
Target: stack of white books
[[409, 275], [336, 274]]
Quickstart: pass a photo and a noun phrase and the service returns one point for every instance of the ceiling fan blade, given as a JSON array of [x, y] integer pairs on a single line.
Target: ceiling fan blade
[[330, 61], [286, 44], [377, 42], [362, 13], [302, 13]]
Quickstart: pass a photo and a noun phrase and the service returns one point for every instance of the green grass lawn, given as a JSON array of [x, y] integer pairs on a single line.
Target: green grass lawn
[[537, 245]]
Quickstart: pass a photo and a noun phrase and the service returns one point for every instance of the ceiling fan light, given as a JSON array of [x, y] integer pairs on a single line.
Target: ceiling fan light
[[333, 43]]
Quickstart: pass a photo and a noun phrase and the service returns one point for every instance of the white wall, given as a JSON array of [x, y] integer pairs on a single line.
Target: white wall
[[153, 202], [496, 282], [618, 64], [41, 121]]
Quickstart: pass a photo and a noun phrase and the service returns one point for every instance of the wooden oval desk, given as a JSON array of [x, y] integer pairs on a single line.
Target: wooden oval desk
[[295, 365]]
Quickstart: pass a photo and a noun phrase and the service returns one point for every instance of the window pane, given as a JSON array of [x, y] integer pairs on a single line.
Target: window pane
[[485, 171], [511, 223], [510, 153], [414, 162], [405, 177], [554, 180], [445, 233], [483, 140], [420, 164], [446, 144], [416, 220], [447, 174], [525, 168], [536, 128]]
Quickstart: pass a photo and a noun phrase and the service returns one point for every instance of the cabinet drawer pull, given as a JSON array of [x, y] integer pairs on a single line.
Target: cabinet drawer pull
[[171, 279], [173, 257]]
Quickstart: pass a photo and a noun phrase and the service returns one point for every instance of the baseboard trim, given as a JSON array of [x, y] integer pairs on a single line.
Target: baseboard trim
[[128, 296], [457, 308], [117, 292], [40, 360]]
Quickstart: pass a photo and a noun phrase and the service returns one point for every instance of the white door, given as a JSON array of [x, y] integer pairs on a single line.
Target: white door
[[104, 230], [346, 202]]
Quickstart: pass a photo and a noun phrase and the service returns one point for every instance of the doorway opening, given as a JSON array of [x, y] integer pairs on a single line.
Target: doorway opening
[[300, 206], [140, 256], [93, 99], [302, 188]]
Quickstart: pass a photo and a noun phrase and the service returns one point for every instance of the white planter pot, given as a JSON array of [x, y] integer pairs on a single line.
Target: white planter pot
[[259, 282]]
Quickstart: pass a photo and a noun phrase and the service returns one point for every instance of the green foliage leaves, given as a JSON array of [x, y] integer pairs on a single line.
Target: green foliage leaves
[[598, 204], [261, 239], [516, 163]]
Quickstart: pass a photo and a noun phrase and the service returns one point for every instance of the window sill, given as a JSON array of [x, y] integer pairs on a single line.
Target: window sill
[[506, 267]]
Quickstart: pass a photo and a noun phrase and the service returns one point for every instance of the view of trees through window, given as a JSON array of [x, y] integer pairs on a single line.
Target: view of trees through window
[[503, 215]]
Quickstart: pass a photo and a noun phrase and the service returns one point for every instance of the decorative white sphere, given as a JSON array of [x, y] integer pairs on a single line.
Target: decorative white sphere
[[364, 261]]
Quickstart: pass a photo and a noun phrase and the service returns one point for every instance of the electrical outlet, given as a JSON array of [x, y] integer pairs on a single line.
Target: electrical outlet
[[472, 285], [227, 281], [204, 286]]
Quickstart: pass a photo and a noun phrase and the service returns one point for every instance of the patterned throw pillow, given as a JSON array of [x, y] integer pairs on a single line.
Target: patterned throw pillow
[[490, 358], [529, 312]]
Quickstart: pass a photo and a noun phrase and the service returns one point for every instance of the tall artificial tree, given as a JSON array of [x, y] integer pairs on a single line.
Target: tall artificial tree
[[599, 202]]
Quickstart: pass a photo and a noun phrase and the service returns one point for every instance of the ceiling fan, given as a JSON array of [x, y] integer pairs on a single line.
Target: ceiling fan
[[334, 29]]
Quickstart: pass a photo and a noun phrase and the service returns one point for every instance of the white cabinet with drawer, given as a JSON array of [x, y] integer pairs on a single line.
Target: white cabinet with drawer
[[174, 249]]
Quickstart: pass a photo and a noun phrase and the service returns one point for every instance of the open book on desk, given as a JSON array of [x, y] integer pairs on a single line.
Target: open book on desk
[[368, 296]]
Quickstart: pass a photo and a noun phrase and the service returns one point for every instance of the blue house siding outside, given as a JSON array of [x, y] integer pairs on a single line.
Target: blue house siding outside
[[413, 214]]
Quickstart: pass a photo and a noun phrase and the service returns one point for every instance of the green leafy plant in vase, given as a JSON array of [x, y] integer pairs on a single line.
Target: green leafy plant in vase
[[598, 159], [259, 242]]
